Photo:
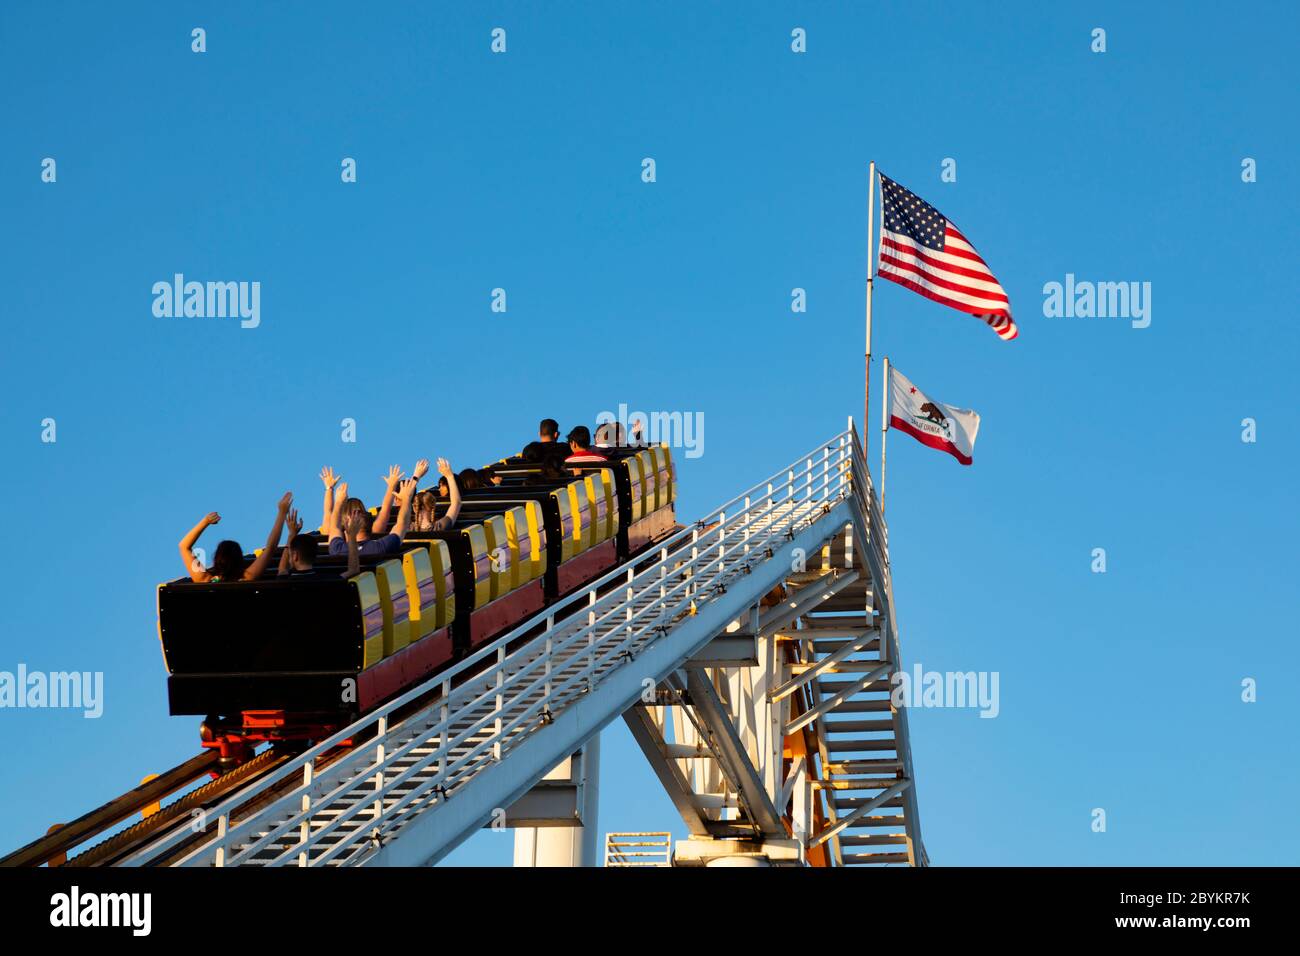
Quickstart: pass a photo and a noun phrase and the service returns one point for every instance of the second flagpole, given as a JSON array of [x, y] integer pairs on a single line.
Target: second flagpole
[[885, 401], [871, 268]]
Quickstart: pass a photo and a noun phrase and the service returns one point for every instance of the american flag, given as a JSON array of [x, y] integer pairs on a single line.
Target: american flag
[[925, 252]]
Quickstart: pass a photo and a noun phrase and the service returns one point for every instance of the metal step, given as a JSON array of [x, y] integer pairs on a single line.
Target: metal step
[[841, 632], [858, 859], [837, 622], [862, 706], [860, 744], [867, 822], [857, 726], [843, 667], [831, 688], [830, 647], [874, 839], [844, 602], [852, 803], [855, 783]]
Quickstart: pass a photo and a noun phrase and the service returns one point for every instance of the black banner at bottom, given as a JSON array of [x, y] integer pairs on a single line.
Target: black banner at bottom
[[359, 905]]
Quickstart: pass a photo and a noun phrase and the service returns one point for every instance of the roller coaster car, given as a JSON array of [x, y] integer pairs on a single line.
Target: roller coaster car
[[645, 487], [296, 658]]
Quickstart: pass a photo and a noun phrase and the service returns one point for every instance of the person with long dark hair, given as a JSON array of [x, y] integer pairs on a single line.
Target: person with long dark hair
[[228, 560], [392, 480], [424, 516]]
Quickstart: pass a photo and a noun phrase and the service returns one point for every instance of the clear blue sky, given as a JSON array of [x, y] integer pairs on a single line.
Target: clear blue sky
[[522, 171]]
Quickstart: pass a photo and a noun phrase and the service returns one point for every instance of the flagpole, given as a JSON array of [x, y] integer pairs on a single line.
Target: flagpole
[[884, 433], [871, 266]]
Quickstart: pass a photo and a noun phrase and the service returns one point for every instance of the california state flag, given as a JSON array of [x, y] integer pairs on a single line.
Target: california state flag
[[931, 423]]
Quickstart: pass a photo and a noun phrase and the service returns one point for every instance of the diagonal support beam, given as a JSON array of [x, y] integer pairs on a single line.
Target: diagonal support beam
[[804, 600], [798, 766], [823, 665], [830, 703], [731, 754], [873, 804], [647, 735]]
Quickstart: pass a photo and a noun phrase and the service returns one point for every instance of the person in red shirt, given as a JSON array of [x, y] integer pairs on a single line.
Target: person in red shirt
[[581, 451]]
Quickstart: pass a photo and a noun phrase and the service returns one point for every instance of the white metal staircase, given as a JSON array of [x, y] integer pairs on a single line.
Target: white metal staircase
[[417, 784]]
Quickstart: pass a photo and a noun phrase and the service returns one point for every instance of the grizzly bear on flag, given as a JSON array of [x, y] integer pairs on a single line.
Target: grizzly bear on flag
[[931, 411]]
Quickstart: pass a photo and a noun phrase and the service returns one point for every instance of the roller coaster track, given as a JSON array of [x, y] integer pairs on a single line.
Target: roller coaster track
[[413, 779]]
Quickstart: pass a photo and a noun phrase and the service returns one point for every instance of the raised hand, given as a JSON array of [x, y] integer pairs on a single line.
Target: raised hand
[[395, 474], [405, 491], [444, 468], [211, 517], [328, 477], [355, 522], [285, 502], [421, 469], [294, 523], [341, 492]]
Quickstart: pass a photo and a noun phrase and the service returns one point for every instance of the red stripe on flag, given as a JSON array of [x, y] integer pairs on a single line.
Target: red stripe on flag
[[970, 253], [952, 230], [932, 441], [920, 253], [934, 278], [951, 303]]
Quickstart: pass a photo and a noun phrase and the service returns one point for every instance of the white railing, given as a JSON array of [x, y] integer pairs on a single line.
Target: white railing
[[482, 708], [877, 530], [639, 849]]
